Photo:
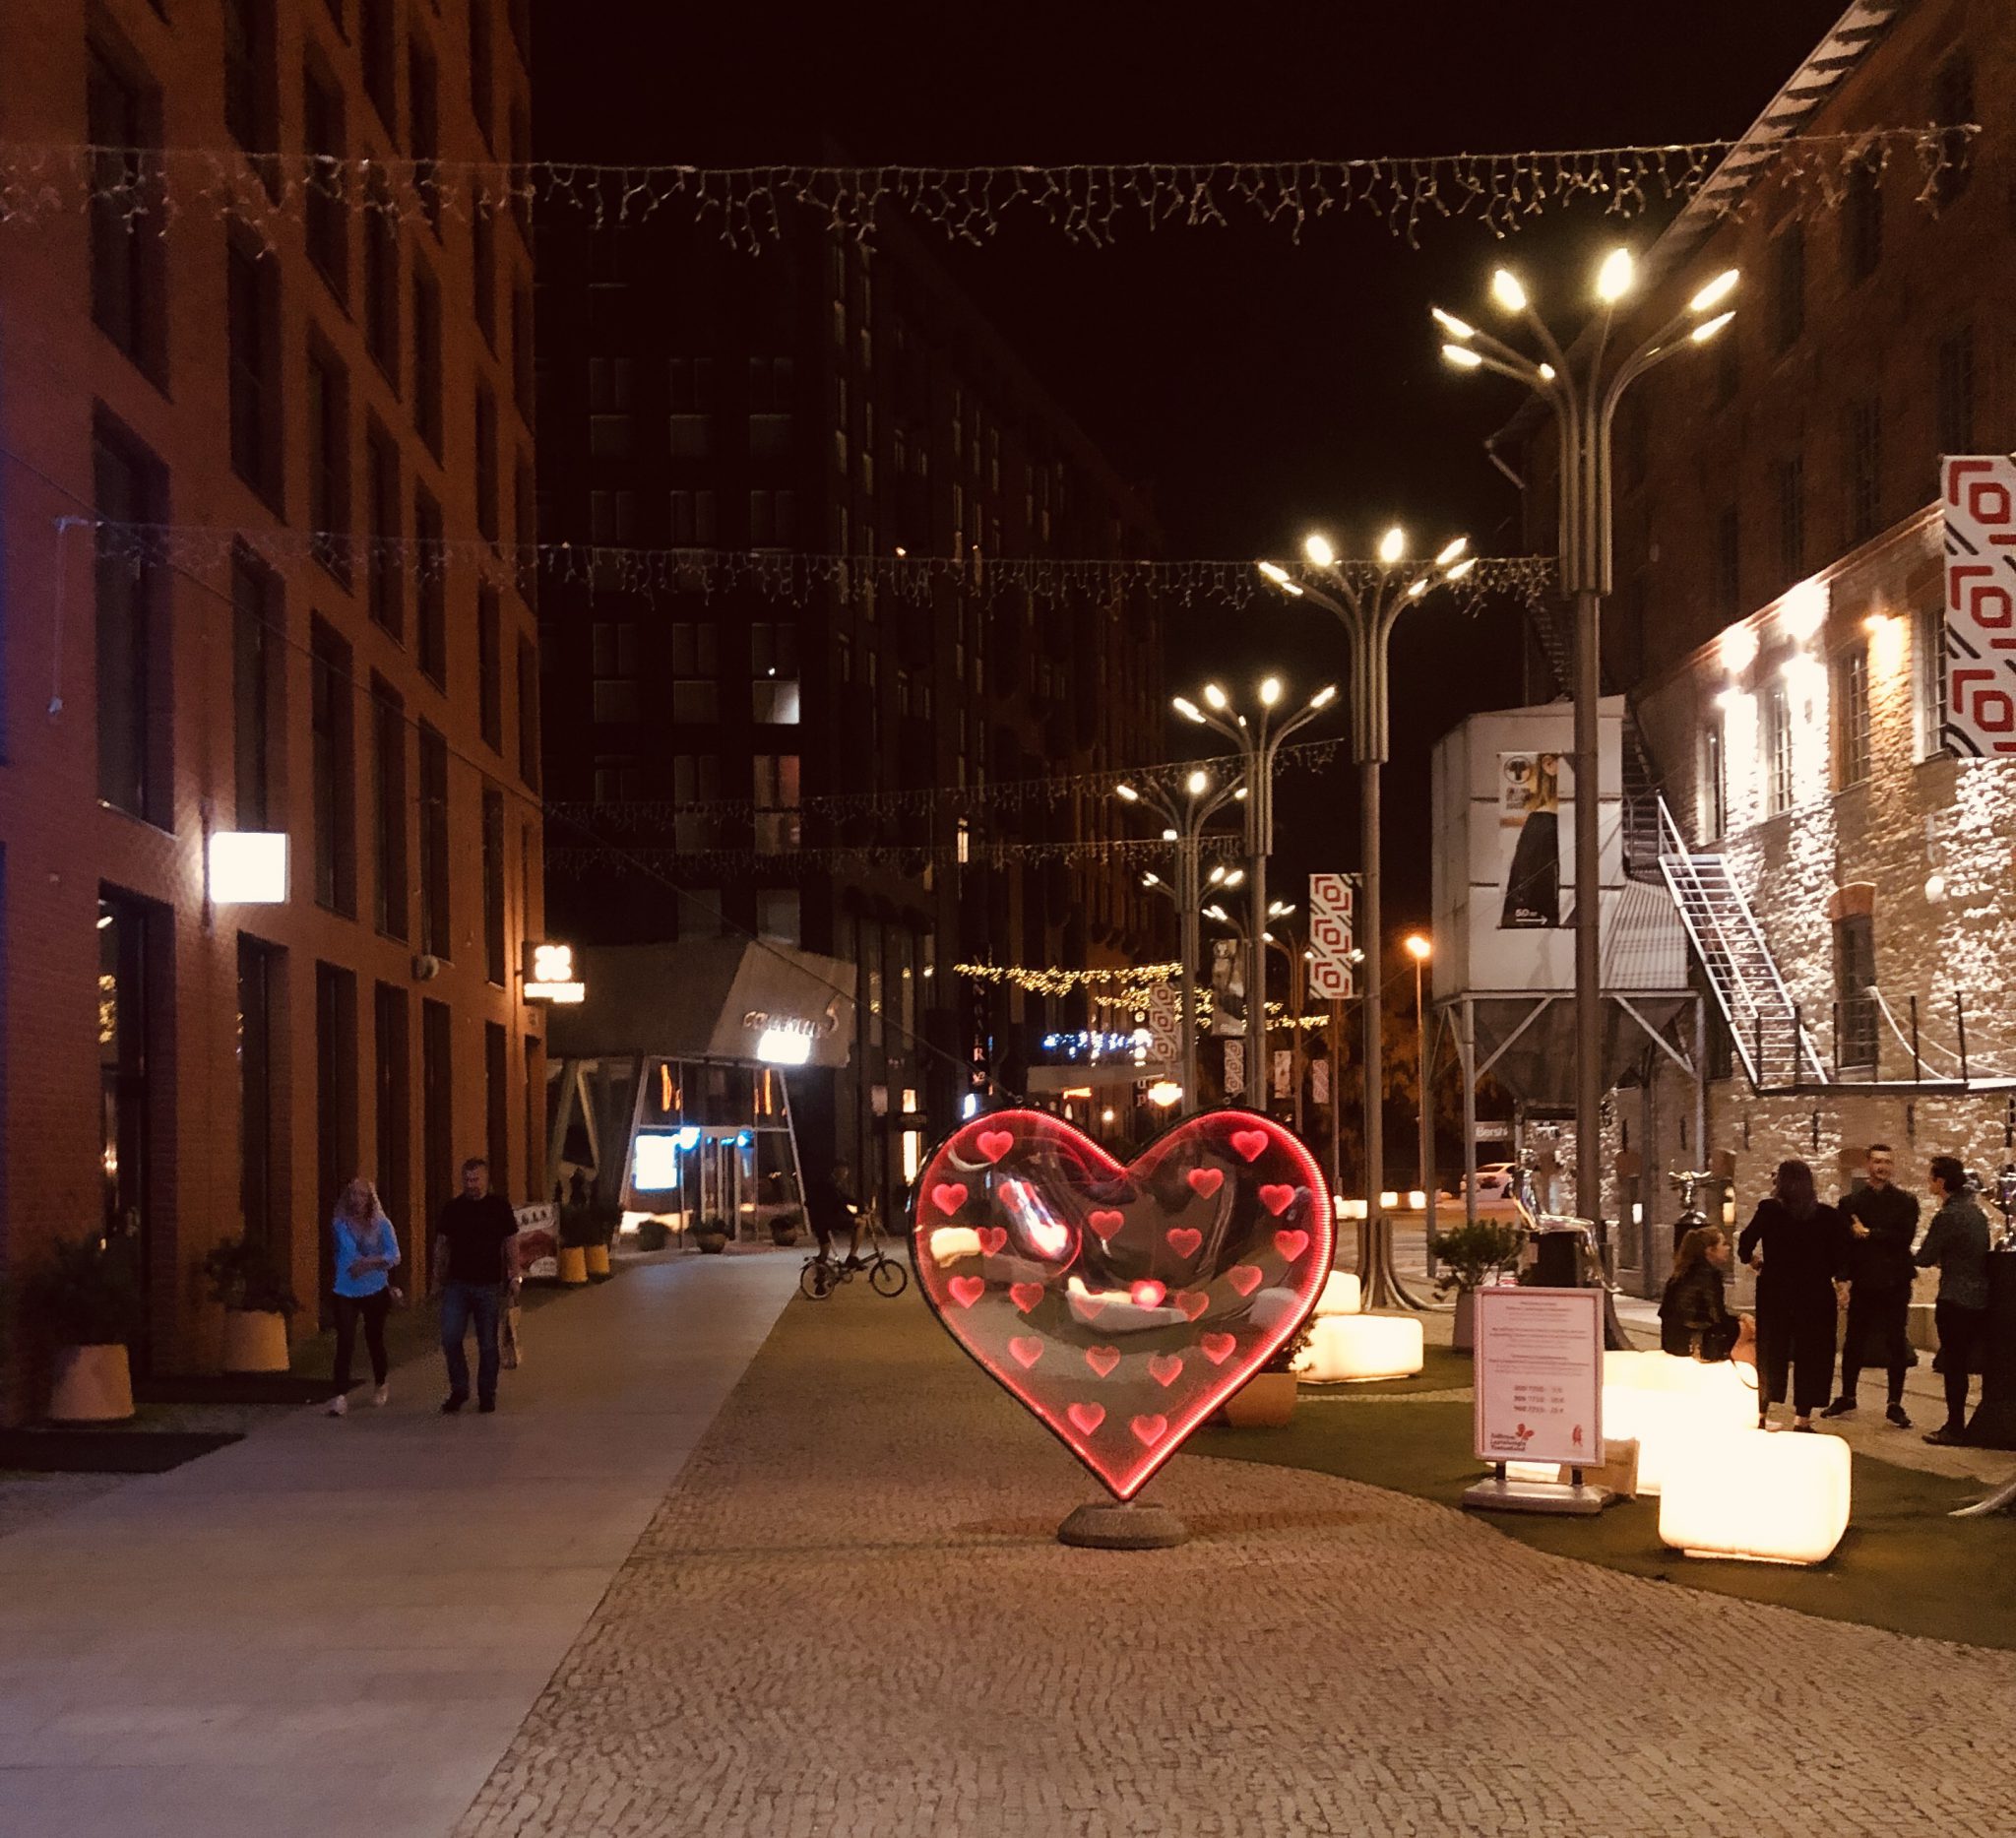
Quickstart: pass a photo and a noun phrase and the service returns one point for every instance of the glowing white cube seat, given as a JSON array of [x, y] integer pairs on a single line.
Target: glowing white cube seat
[[1767, 1498], [949, 1244], [1355, 1347], [1665, 1404], [1341, 1295]]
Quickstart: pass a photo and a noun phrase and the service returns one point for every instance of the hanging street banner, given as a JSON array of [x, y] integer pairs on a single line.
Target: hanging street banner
[[1331, 905], [1540, 1375], [1235, 1068], [1978, 497], [1165, 1025]]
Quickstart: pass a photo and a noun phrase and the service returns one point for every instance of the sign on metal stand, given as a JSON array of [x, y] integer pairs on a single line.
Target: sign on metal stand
[[1538, 1398]]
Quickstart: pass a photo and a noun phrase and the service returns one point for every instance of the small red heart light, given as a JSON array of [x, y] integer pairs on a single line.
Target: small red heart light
[[948, 1196], [1106, 1279]]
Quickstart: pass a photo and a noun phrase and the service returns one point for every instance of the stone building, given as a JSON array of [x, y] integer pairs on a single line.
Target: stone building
[[256, 404]]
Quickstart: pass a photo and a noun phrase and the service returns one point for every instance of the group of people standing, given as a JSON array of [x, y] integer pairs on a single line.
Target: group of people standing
[[475, 1268], [1809, 1258]]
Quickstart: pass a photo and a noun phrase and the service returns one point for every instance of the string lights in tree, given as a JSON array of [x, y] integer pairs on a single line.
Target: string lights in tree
[[1086, 202], [1054, 980]]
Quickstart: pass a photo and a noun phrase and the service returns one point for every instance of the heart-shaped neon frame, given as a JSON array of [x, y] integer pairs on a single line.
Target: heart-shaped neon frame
[[1194, 1262]]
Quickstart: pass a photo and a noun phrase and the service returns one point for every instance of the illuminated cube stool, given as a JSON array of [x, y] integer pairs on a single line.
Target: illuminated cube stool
[[1665, 1404], [1346, 1348], [1751, 1495], [950, 1244], [1341, 1295]]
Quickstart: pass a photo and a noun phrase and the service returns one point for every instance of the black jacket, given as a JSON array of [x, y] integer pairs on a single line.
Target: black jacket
[[1694, 1316], [1882, 1260], [1800, 1255]]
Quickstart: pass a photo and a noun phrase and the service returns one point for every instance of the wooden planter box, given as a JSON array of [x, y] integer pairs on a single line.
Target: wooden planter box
[[93, 1385], [1267, 1399], [255, 1341]]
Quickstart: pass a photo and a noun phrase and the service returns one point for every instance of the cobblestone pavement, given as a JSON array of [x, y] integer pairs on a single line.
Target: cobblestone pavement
[[849, 1618]]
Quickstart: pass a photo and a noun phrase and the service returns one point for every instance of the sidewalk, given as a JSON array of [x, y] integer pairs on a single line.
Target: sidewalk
[[337, 1626]]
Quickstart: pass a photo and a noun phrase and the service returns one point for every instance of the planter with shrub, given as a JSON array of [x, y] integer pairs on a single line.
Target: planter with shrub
[[245, 1282], [653, 1234], [86, 1300], [1473, 1256], [712, 1235], [784, 1227], [1267, 1399]]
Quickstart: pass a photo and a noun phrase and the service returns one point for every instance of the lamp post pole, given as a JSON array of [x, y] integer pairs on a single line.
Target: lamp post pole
[[1582, 399], [1367, 599], [1420, 949]]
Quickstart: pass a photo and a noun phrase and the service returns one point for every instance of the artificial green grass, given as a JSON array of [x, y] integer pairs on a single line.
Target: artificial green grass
[[1902, 1564]]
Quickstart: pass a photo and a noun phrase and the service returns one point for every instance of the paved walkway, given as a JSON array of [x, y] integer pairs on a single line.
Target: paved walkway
[[850, 1620], [336, 1626]]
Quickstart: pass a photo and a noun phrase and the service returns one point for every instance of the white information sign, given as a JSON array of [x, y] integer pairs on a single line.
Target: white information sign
[[1540, 1375]]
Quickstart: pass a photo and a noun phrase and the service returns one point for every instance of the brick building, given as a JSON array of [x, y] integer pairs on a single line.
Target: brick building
[[1778, 617], [285, 390], [820, 399]]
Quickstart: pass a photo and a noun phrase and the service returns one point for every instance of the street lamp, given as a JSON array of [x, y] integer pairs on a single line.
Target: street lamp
[[1257, 740], [1183, 827], [1420, 950], [1368, 598], [1583, 401]]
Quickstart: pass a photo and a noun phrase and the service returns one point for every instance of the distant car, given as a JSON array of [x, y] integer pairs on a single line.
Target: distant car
[[1496, 1180]]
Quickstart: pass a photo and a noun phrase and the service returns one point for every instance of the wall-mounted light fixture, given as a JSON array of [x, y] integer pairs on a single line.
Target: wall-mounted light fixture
[[549, 974], [248, 867]]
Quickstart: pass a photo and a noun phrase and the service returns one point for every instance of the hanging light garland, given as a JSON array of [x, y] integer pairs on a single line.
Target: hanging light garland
[[1050, 979], [1090, 202]]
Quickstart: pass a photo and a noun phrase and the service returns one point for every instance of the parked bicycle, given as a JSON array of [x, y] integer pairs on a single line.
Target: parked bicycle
[[822, 1274]]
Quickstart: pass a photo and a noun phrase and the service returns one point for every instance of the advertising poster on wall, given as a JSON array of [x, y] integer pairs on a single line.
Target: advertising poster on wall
[[1540, 1375], [1532, 788]]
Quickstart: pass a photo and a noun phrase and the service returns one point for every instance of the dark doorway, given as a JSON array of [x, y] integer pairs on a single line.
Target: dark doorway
[[335, 1111], [125, 1014]]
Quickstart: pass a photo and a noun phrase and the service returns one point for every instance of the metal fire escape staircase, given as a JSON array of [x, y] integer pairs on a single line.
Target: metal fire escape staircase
[[1770, 1040]]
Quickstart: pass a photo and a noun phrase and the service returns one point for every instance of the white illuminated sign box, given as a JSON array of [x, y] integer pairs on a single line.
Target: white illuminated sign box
[[784, 1047], [654, 1163], [549, 977], [248, 867]]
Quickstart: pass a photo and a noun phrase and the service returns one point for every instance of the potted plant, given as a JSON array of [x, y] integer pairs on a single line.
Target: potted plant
[[246, 1283], [712, 1235], [1267, 1399], [653, 1234], [1472, 1256], [786, 1225], [86, 1301]]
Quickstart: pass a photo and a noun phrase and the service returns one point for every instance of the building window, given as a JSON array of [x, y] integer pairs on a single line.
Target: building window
[[776, 802], [430, 587], [381, 280], [335, 773], [1850, 700], [378, 47], [696, 665], [608, 407], [1953, 109], [487, 462], [524, 511], [689, 382], [1728, 562], [618, 779], [611, 518], [1790, 476], [328, 463], [1956, 391], [437, 1106], [696, 782], [491, 665], [493, 885], [423, 126], [1854, 981], [777, 915], [260, 983], [614, 648], [387, 564], [126, 291], [1778, 749], [773, 672], [427, 382], [393, 1098], [252, 338], [1931, 679], [258, 639], [1861, 220], [772, 405], [389, 807], [250, 75], [1713, 784], [529, 712], [693, 519], [325, 202], [1865, 468], [772, 519], [482, 229], [482, 87], [700, 913], [129, 490], [522, 378], [434, 896], [1788, 287]]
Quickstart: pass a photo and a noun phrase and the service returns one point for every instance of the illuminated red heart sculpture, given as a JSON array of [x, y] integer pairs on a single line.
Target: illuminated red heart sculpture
[[1121, 1304]]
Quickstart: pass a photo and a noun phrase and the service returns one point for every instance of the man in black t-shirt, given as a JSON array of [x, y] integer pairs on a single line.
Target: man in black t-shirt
[[1883, 1221], [476, 1258]]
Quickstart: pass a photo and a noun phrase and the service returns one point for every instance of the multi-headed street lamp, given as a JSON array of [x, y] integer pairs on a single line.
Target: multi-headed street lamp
[[1284, 934], [1367, 599], [1258, 741], [1583, 392], [1183, 829]]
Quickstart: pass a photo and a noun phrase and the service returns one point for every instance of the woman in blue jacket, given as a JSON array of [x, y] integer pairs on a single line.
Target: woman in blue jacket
[[366, 1253]]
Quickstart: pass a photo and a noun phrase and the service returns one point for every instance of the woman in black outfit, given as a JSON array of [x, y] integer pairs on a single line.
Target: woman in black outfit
[[1694, 1317], [1798, 1247]]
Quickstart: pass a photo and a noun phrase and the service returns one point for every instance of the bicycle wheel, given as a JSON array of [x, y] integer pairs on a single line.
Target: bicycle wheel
[[815, 1280], [888, 1277]]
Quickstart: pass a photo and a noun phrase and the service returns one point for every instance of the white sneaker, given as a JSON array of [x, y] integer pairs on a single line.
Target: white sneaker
[[339, 1406], [382, 1396]]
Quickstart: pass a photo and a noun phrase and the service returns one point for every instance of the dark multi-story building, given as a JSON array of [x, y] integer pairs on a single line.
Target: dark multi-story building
[[823, 761], [283, 395]]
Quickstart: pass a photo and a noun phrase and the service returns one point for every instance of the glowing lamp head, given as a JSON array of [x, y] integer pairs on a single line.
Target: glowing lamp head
[[1150, 879], [1168, 836], [1128, 793], [1462, 358], [1187, 709], [1275, 573], [1451, 551], [1461, 569], [1198, 783], [1715, 292], [1215, 698], [1708, 328], [1419, 947], [1317, 549], [1269, 691], [1455, 328], [1322, 699], [1507, 290], [1236, 878], [1392, 544], [1614, 277]]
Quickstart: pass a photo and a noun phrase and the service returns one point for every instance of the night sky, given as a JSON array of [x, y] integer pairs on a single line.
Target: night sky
[[1254, 387]]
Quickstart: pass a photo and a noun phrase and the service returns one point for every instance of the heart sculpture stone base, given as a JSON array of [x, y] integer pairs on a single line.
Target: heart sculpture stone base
[[1121, 1304], [1102, 1525]]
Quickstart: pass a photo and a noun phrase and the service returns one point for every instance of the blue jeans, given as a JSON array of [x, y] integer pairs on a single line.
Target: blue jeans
[[461, 1303]]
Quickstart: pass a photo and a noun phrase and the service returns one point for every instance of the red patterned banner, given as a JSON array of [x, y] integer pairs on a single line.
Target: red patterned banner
[[1980, 497]]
